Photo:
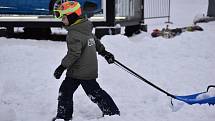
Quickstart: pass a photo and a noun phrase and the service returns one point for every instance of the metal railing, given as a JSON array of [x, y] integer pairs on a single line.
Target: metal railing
[[128, 8], [142, 9], [157, 9]]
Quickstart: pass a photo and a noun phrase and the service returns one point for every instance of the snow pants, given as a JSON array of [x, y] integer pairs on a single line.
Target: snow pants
[[93, 91]]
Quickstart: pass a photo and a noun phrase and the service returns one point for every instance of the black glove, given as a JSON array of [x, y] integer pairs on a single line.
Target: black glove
[[59, 71], [108, 56]]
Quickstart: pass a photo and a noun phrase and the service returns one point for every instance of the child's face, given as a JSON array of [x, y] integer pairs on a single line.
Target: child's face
[[65, 20]]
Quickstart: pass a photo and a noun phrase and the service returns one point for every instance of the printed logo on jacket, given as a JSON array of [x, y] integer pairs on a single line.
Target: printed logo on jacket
[[91, 42]]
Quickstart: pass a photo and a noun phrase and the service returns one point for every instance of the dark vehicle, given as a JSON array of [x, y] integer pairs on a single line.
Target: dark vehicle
[[41, 7]]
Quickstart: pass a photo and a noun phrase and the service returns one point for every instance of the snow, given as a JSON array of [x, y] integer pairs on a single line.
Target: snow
[[209, 94], [182, 65]]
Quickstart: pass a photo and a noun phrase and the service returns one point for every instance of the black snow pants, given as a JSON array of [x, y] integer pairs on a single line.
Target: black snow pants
[[93, 91]]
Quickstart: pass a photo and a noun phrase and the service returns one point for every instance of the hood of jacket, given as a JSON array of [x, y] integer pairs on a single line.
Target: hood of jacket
[[82, 26]]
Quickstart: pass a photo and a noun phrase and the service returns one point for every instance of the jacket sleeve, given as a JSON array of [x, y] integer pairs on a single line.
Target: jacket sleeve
[[100, 48], [74, 52]]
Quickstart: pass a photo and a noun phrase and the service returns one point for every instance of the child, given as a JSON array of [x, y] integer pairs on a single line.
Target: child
[[81, 63]]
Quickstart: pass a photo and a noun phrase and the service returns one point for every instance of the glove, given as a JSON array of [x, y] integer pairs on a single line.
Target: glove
[[59, 71], [108, 56]]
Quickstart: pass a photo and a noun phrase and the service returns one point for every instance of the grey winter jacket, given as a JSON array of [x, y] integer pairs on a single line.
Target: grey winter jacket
[[81, 58]]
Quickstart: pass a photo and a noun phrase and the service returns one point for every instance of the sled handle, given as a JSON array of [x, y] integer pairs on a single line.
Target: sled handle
[[141, 78], [210, 87]]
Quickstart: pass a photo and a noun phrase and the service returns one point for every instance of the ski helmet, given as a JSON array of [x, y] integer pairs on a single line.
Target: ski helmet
[[67, 8]]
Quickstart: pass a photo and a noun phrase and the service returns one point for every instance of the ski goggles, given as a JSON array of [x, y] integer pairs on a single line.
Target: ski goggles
[[74, 8]]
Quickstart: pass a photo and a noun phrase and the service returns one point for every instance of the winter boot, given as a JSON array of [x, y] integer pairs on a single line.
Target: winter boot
[[111, 113], [59, 119], [104, 102], [64, 110]]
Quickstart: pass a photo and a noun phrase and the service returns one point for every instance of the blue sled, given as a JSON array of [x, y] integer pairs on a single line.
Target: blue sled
[[192, 99]]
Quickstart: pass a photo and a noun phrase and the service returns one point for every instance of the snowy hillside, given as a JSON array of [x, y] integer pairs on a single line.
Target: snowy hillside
[[182, 65]]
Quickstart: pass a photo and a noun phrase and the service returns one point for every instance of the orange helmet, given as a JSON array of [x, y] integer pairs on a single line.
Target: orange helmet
[[68, 8]]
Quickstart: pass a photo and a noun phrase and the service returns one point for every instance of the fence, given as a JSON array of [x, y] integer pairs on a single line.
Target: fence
[[131, 9], [157, 9], [142, 9]]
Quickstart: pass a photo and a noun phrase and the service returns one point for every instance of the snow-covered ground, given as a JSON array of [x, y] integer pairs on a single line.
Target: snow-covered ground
[[182, 65]]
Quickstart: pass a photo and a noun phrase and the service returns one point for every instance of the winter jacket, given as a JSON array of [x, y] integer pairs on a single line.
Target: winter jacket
[[81, 58]]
